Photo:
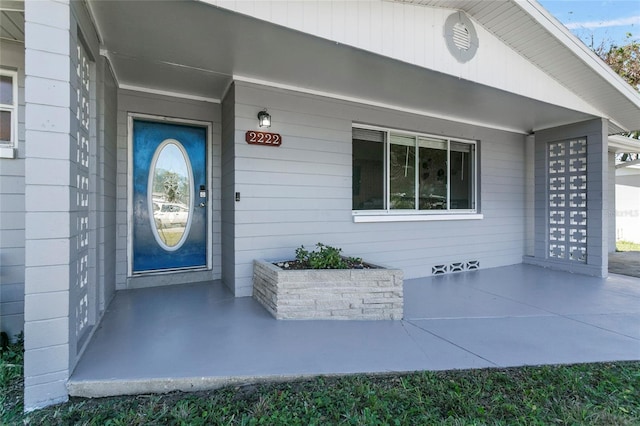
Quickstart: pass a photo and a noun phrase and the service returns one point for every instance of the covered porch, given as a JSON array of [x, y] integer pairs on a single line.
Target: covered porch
[[198, 336], [86, 321]]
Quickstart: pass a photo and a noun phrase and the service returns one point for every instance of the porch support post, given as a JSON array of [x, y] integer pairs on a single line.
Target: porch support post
[[49, 199], [598, 198], [611, 192], [559, 251]]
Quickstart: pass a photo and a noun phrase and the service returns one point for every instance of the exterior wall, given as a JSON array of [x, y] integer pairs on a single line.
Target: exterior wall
[[69, 193], [50, 248], [530, 196], [107, 167], [611, 190], [627, 190], [147, 103], [43, 384], [228, 188], [595, 131], [12, 208], [300, 193], [413, 34]]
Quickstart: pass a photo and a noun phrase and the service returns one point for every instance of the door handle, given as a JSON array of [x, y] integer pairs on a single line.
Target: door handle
[[203, 204]]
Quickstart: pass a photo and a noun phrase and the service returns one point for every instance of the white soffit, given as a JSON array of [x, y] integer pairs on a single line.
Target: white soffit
[[12, 20], [195, 49], [529, 29]]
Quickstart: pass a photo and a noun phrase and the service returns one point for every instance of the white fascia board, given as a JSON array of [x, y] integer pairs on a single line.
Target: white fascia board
[[562, 34], [12, 6], [619, 143], [635, 164]]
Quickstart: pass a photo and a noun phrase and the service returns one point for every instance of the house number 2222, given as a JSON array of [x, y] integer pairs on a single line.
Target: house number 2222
[[263, 138]]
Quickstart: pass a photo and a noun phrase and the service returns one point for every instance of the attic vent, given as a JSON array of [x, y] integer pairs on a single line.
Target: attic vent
[[461, 37]]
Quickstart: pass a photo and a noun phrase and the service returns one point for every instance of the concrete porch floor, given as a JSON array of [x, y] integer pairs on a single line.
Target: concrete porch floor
[[198, 336]]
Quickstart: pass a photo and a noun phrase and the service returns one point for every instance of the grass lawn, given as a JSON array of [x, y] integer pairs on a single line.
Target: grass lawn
[[627, 246], [592, 394]]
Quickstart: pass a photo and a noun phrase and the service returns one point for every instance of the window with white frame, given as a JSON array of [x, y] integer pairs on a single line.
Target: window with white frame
[[8, 107], [409, 173]]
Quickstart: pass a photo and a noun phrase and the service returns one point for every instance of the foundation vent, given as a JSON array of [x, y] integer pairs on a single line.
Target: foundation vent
[[470, 265]]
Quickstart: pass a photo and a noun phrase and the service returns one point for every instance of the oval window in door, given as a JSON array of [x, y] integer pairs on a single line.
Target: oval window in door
[[169, 194]]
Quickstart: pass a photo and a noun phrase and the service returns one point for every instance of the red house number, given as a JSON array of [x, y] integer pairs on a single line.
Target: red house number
[[263, 138]]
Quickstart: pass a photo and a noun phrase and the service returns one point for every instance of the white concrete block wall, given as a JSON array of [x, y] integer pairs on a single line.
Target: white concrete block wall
[[52, 344], [48, 251], [12, 208], [47, 295], [627, 206], [300, 193]]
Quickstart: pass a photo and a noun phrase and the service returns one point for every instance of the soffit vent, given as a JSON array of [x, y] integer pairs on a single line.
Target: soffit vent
[[461, 37]]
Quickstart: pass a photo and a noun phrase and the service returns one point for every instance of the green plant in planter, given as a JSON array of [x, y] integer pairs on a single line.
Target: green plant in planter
[[325, 257]]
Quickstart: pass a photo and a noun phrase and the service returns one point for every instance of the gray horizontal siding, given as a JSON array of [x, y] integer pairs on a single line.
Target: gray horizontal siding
[[12, 209], [300, 193]]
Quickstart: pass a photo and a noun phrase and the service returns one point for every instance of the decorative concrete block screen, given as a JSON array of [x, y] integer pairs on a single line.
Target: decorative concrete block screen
[[336, 294], [567, 174], [82, 191]]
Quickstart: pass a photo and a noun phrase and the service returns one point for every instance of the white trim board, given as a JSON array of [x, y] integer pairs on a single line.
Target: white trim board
[[209, 146], [370, 218], [169, 93]]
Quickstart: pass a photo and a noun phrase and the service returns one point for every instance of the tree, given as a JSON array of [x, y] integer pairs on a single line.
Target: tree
[[625, 61]]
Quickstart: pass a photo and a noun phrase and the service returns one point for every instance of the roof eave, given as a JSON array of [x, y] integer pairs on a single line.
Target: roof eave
[[556, 28]]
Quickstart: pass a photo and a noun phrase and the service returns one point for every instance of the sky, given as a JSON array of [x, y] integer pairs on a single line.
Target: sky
[[598, 21]]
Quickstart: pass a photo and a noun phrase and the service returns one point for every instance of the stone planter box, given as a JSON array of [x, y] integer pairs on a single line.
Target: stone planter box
[[336, 294]]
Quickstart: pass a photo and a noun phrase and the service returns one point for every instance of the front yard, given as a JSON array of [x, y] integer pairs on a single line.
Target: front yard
[[627, 246]]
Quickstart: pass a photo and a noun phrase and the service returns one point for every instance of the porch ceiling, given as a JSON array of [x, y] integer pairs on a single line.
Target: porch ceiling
[[12, 20], [197, 49]]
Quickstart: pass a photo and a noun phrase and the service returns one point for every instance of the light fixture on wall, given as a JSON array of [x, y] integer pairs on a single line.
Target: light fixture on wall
[[264, 119]]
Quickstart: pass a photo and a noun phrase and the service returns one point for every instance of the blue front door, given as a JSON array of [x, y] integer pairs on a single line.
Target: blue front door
[[169, 200]]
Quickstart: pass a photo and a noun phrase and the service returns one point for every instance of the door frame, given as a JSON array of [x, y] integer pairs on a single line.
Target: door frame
[[131, 116]]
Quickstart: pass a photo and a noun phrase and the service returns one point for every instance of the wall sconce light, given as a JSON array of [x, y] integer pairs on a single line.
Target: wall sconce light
[[264, 119]]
